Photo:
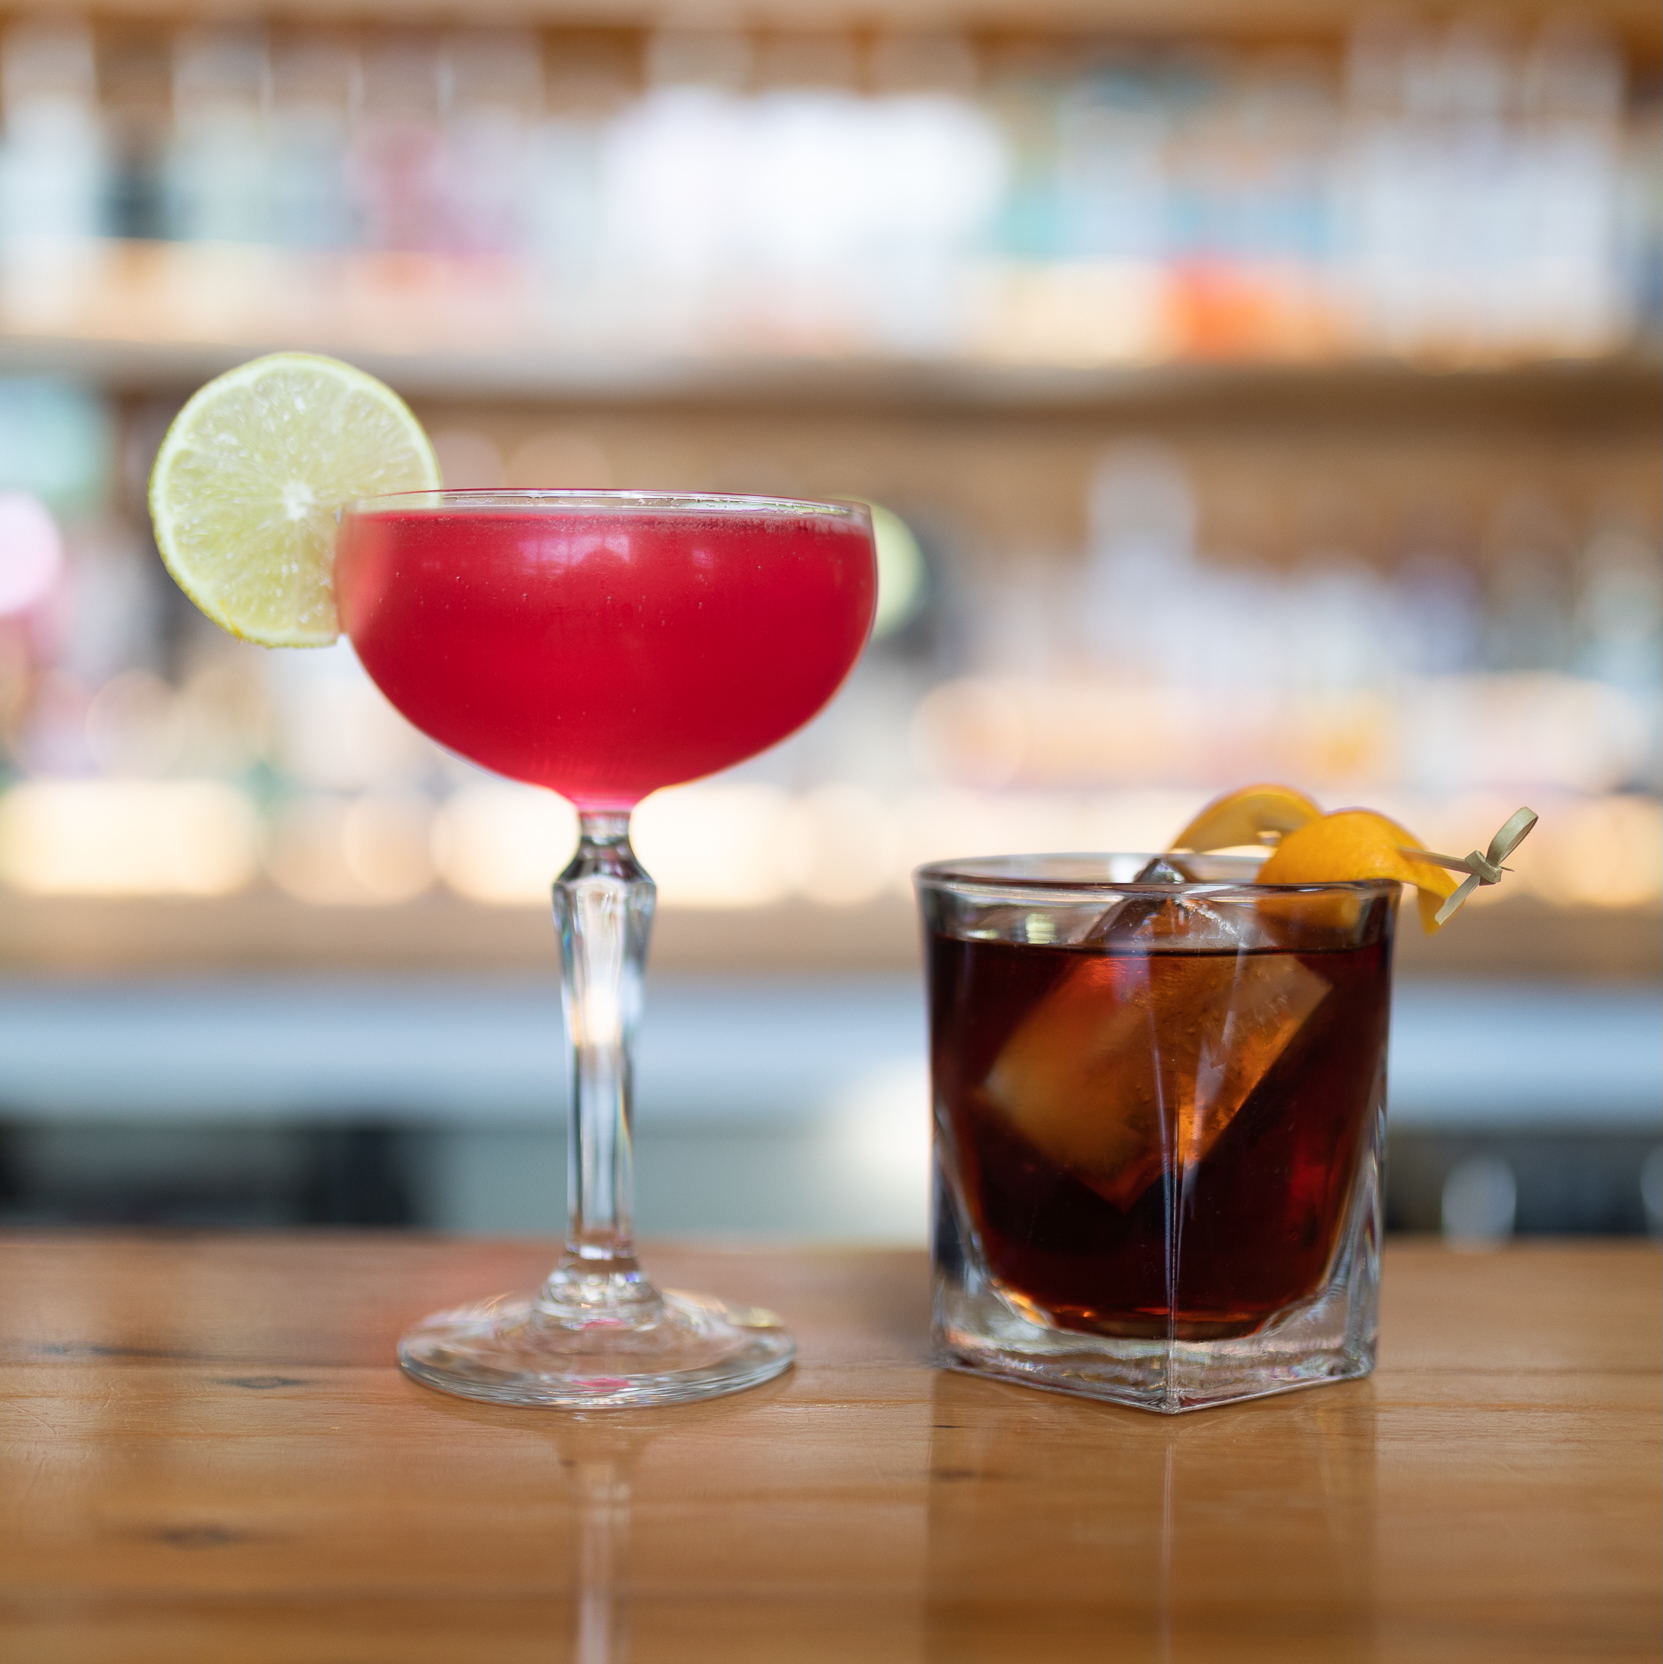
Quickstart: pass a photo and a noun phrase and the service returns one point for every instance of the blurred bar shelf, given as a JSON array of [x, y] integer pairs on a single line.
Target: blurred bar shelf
[[1613, 390], [1244, 19], [264, 931]]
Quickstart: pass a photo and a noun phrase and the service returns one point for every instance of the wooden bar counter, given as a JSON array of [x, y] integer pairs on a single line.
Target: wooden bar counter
[[206, 1454]]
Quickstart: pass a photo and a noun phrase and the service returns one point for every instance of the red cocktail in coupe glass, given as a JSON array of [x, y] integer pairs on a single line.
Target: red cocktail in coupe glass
[[603, 644]]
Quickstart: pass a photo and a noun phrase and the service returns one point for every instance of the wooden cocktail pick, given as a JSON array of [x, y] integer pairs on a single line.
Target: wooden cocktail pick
[[1480, 869]]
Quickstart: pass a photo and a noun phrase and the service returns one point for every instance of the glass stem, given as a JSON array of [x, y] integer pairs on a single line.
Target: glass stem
[[603, 907]]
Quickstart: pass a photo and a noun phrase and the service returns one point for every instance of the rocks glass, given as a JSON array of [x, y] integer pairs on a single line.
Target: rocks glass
[[1159, 1096]]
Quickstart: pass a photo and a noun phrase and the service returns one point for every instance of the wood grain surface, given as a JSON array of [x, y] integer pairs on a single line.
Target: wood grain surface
[[207, 1455]]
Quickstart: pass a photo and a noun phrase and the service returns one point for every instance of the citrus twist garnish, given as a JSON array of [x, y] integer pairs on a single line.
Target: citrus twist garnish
[[1250, 815], [249, 479], [1314, 848], [1357, 843]]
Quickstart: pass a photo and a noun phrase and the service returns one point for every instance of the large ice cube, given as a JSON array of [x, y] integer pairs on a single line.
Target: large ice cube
[[1135, 1062], [1140, 915]]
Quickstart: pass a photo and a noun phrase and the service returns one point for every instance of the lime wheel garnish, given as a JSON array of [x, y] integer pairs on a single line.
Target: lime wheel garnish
[[247, 484]]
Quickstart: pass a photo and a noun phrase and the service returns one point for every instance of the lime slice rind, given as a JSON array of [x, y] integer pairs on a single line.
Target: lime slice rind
[[247, 482]]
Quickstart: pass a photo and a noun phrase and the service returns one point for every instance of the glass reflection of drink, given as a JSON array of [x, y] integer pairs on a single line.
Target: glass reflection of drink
[[1159, 1110], [603, 644]]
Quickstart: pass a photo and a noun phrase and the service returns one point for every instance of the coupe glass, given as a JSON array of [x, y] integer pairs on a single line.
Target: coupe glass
[[603, 644]]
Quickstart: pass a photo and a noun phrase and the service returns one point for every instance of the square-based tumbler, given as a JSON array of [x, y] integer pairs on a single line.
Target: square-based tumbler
[[1159, 1096]]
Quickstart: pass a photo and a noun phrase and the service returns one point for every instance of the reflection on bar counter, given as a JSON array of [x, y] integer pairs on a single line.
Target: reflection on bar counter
[[1458, 191]]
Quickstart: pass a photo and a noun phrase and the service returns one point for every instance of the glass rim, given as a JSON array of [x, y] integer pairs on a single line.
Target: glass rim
[[462, 499], [992, 873]]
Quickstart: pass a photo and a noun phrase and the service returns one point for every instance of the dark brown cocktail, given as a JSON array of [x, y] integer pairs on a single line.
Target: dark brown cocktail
[[1158, 1109], [1132, 1206]]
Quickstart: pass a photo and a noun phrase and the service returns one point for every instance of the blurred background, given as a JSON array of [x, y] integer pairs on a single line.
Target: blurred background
[[1255, 391]]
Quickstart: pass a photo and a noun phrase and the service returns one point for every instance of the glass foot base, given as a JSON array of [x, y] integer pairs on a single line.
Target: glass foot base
[[517, 1350], [1327, 1337]]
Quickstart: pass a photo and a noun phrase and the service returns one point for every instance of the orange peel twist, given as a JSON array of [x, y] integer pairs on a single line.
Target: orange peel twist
[[1310, 847]]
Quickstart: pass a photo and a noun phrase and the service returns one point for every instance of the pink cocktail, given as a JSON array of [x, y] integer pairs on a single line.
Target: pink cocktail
[[606, 647], [603, 644]]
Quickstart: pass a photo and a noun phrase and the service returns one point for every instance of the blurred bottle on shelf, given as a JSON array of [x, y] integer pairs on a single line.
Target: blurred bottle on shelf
[[1484, 190], [1021, 92], [1574, 96], [587, 82], [809, 189], [217, 172], [55, 171], [942, 168], [396, 164], [1440, 609], [1531, 578], [1617, 629], [312, 83], [135, 90], [1641, 218], [1461, 192], [672, 179], [493, 84]]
